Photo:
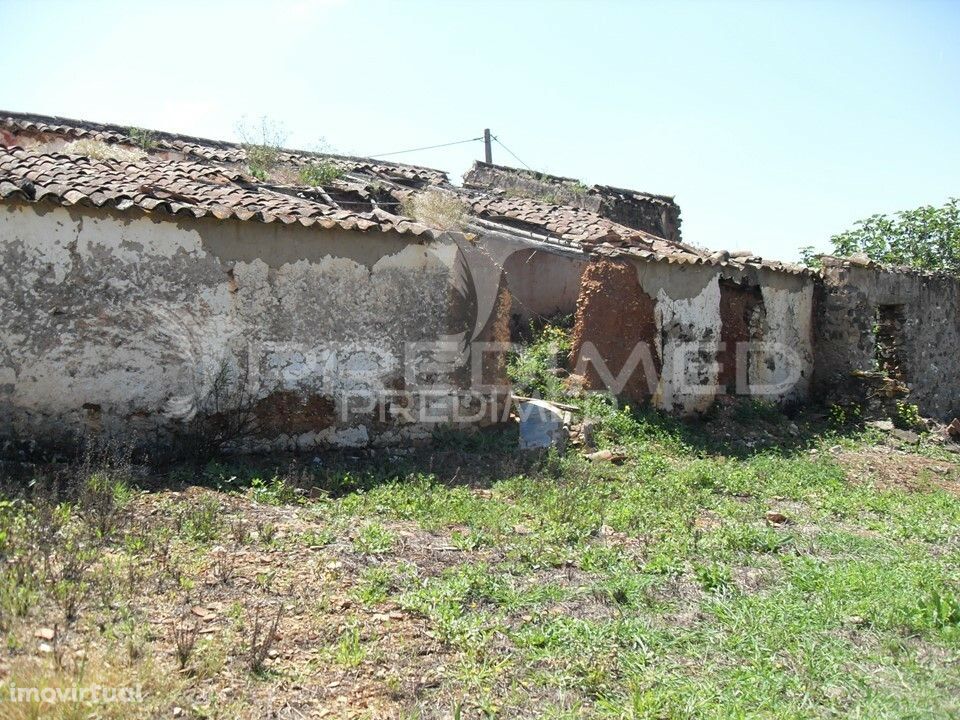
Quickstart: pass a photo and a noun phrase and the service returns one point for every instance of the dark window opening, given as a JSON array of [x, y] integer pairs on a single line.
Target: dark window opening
[[888, 331], [742, 319]]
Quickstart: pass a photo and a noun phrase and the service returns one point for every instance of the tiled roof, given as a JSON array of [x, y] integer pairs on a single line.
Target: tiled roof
[[573, 226], [676, 256], [184, 175], [186, 188], [43, 127]]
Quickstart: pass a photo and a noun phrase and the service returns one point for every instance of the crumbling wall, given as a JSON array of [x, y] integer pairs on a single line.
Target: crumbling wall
[[656, 214], [712, 331], [132, 324], [742, 315], [906, 323], [615, 338], [781, 366], [543, 283]]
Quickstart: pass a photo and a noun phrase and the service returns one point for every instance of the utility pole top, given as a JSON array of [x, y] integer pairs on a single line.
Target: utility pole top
[[487, 149]]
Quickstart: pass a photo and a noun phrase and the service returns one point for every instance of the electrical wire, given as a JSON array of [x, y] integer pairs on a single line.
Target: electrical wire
[[511, 152], [428, 147]]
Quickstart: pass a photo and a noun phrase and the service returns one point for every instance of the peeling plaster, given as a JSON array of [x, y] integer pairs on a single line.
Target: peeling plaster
[[139, 316], [687, 314], [789, 326], [688, 328]]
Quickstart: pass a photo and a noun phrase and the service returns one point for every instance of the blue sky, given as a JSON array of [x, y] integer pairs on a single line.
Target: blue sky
[[774, 124]]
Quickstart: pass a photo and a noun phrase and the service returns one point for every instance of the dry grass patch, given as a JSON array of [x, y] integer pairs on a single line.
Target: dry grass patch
[[90, 683], [889, 468], [436, 209], [99, 150]]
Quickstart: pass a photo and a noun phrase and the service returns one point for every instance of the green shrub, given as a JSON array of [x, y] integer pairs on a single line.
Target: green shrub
[[937, 610], [533, 370], [275, 491], [145, 139], [262, 145], [712, 577], [907, 417], [319, 173], [374, 539], [202, 521], [841, 416]]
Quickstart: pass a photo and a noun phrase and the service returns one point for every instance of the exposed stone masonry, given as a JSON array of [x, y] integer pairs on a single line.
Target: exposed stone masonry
[[898, 323]]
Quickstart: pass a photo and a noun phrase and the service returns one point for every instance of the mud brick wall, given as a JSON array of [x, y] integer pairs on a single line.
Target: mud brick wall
[[616, 316], [905, 321]]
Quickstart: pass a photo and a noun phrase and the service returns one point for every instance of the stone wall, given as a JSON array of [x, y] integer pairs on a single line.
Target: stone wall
[[693, 332], [656, 214], [132, 324], [905, 320]]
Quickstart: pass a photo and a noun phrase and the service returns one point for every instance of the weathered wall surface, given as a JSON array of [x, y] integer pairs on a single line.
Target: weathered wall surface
[[656, 214], [852, 301], [542, 282], [710, 331], [125, 322], [615, 334]]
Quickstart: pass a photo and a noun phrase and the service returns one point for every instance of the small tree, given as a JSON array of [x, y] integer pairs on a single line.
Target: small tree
[[927, 237]]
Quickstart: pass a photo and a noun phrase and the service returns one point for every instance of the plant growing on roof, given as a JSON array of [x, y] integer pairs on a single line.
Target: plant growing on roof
[[321, 172], [578, 188], [550, 197], [436, 209], [144, 139], [262, 144], [99, 150]]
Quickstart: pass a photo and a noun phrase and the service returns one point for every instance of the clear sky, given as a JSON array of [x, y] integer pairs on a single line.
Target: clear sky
[[774, 124]]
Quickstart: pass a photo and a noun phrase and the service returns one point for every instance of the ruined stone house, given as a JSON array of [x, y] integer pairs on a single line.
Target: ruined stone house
[[663, 322], [152, 285], [656, 319]]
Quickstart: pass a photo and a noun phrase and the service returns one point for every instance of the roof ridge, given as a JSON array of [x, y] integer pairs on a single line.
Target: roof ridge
[[91, 125]]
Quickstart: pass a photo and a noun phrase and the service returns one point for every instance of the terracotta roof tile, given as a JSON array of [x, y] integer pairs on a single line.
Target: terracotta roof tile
[[575, 225], [158, 185], [211, 150], [672, 256], [198, 177]]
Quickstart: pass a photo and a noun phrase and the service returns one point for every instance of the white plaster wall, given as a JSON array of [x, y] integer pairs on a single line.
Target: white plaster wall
[[785, 364], [687, 339], [126, 320], [689, 327]]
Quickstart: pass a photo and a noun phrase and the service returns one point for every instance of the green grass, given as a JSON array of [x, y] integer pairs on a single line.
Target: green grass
[[374, 539], [563, 588], [532, 369], [658, 589]]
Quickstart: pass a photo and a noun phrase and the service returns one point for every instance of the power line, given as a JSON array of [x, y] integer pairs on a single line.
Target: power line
[[512, 153], [456, 142], [428, 147]]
